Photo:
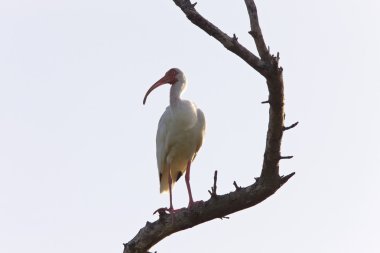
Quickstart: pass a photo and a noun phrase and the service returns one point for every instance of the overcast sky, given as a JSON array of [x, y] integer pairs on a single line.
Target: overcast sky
[[77, 147]]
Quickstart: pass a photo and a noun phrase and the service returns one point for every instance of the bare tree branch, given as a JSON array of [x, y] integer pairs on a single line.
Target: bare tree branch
[[186, 218], [256, 30], [218, 206], [228, 42]]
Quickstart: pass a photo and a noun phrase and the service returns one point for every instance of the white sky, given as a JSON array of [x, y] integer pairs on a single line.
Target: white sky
[[77, 147]]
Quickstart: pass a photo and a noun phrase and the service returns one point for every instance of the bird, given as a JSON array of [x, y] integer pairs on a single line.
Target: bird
[[180, 135]]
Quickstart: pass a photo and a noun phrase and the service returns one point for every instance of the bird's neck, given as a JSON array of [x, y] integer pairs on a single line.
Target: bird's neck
[[176, 91]]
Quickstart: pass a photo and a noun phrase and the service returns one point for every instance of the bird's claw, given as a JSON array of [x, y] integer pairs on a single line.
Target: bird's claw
[[165, 210], [194, 203], [161, 211]]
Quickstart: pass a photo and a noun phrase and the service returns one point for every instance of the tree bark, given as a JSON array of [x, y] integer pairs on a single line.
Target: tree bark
[[219, 206]]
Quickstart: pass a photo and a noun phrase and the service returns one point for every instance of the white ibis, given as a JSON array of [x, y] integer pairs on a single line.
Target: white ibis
[[179, 135]]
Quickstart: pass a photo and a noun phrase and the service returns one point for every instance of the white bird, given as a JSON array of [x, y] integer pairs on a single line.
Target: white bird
[[179, 135]]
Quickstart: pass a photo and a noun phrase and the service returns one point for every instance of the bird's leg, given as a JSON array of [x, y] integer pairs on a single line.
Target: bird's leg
[[187, 179], [170, 181], [171, 210]]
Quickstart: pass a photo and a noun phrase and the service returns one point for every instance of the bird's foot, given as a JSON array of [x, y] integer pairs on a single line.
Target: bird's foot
[[194, 203], [165, 210]]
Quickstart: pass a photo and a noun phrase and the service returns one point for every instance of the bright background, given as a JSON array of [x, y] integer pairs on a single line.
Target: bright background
[[77, 147]]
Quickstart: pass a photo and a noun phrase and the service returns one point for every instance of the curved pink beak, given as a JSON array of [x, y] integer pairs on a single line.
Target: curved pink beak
[[163, 80]]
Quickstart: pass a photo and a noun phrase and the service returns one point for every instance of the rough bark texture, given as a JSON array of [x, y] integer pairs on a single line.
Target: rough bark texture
[[218, 206]]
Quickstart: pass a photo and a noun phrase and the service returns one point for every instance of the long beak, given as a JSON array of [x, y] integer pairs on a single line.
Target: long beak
[[160, 82]]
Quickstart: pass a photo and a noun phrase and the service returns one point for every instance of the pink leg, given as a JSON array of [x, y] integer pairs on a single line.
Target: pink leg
[[170, 181], [171, 210], [187, 179]]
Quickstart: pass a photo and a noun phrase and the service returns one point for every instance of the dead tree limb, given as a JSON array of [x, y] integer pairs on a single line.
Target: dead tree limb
[[219, 206]]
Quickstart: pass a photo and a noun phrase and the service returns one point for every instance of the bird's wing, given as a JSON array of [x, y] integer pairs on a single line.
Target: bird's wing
[[161, 140], [200, 128]]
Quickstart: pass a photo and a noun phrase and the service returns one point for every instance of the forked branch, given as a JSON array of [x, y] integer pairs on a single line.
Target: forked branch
[[228, 42], [256, 30]]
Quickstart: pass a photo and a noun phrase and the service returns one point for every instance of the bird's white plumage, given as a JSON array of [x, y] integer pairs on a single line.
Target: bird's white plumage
[[179, 137]]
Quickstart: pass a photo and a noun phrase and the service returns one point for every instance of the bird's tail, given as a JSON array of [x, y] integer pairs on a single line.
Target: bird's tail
[[164, 182]]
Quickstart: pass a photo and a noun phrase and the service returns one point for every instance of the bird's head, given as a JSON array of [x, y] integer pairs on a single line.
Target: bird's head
[[172, 76]]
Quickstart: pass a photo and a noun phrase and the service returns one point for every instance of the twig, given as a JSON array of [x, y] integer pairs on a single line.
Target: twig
[[285, 179], [286, 157], [213, 188], [234, 38], [236, 186], [290, 127]]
